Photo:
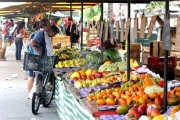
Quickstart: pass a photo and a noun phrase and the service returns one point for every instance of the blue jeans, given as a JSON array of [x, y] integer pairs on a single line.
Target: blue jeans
[[19, 44]]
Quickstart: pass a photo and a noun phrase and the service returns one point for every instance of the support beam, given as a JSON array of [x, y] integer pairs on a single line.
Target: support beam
[[165, 68], [71, 21], [102, 42], [81, 23], [128, 43]]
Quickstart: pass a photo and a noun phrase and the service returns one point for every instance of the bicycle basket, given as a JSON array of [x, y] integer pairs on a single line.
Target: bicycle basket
[[39, 63]]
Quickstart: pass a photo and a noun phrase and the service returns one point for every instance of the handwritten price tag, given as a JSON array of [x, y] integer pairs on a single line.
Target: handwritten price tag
[[166, 41]]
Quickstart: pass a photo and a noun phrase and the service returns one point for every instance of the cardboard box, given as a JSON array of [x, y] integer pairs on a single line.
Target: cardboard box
[[135, 47], [156, 49], [145, 61], [135, 56], [146, 49], [145, 55]]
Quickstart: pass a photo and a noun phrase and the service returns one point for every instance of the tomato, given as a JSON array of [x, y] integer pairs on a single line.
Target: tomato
[[161, 83]]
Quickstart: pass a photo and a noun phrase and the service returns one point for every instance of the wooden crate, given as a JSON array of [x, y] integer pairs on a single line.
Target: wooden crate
[[156, 49], [135, 51], [177, 74], [64, 40]]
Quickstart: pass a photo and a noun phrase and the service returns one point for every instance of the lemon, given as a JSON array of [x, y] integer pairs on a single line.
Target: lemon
[[159, 117]]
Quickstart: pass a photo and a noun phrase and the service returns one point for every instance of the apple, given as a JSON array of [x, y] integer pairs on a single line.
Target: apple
[[155, 112], [161, 83], [75, 79], [158, 101], [98, 75], [134, 108], [150, 108], [142, 109]]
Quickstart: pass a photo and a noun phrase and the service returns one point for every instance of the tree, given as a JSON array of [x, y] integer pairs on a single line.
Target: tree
[[92, 12]]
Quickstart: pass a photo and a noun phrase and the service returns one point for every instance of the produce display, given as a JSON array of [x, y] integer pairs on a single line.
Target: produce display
[[106, 84]]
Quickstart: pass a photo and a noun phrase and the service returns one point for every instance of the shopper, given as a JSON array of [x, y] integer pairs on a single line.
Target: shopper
[[19, 34], [73, 33], [30, 78], [38, 45]]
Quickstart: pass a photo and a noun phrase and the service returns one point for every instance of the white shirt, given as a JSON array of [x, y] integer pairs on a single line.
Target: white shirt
[[49, 46]]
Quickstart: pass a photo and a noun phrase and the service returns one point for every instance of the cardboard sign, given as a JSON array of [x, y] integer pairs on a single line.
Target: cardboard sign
[[166, 40], [135, 28], [98, 28], [151, 26], [127, 28], [177, 42], [101, 29], [106, 30], [117, 30], [143, 25], [122, 30]]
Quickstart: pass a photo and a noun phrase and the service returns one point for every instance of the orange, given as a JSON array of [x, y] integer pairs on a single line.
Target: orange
[[99, 95], [161, 94], [108, 91], [147, 82], [146, 96], [100, 102], [129, 101], [122, 101], [142, 100], [94, 98], [128, 93], [117, 89], [110, 101], [136, 99], [178, 93], [153, 95], [89, 97]]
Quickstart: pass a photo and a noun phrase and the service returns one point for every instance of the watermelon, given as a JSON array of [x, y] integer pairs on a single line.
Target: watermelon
[[113, 55]]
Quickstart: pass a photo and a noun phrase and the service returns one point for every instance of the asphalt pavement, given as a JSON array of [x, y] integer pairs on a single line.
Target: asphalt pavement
[[14, 104]]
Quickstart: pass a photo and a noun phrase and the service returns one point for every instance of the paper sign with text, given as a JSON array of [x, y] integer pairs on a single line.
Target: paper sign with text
[[177, 42], [166, 41], [151, 26]]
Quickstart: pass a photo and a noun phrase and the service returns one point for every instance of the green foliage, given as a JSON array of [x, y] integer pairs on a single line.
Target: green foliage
[[92, 12], [155, 5]]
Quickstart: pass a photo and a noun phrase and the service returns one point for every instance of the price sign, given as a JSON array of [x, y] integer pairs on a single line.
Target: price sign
[[135, 28], [151, 26], [177, 42], [106, 30], [143, 25], [122, 30], [166, 41], [127, 28]]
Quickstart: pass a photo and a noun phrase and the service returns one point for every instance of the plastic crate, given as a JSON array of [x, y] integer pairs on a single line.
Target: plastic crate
[[39, 63], [156, 64]]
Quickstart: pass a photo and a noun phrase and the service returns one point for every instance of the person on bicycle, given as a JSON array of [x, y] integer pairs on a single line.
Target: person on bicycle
[[43, 36]]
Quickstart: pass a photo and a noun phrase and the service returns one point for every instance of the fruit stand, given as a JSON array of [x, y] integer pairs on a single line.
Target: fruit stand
[[96, 91]]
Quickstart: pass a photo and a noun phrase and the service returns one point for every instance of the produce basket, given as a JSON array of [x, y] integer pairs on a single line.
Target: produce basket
[[39, 63]]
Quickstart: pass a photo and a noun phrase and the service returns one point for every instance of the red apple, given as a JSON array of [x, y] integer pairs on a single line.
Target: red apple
[[134, 108], [84, 77], [75, 79], [98, 75], [158, 101], [142, 109], [155, 112]]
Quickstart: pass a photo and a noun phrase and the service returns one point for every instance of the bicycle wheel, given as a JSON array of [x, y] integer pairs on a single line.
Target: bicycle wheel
[[49, 91], [36, 98]]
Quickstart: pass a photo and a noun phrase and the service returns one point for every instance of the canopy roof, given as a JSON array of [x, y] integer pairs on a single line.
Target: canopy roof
[[38, 7]]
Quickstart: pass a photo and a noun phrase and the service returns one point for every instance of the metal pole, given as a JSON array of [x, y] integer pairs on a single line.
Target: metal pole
[[71, 22], [81, 25], [102, 42], [165, 68], [128, 44]]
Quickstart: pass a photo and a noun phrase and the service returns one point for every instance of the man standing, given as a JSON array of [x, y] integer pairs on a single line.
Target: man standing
[[73, 32], [54, 22]]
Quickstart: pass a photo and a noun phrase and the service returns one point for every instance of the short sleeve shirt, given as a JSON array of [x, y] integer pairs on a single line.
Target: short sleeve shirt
[[38, 38]]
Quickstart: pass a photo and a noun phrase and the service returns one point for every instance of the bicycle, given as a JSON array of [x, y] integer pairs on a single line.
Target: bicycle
[[44, 90], [44, 79]]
